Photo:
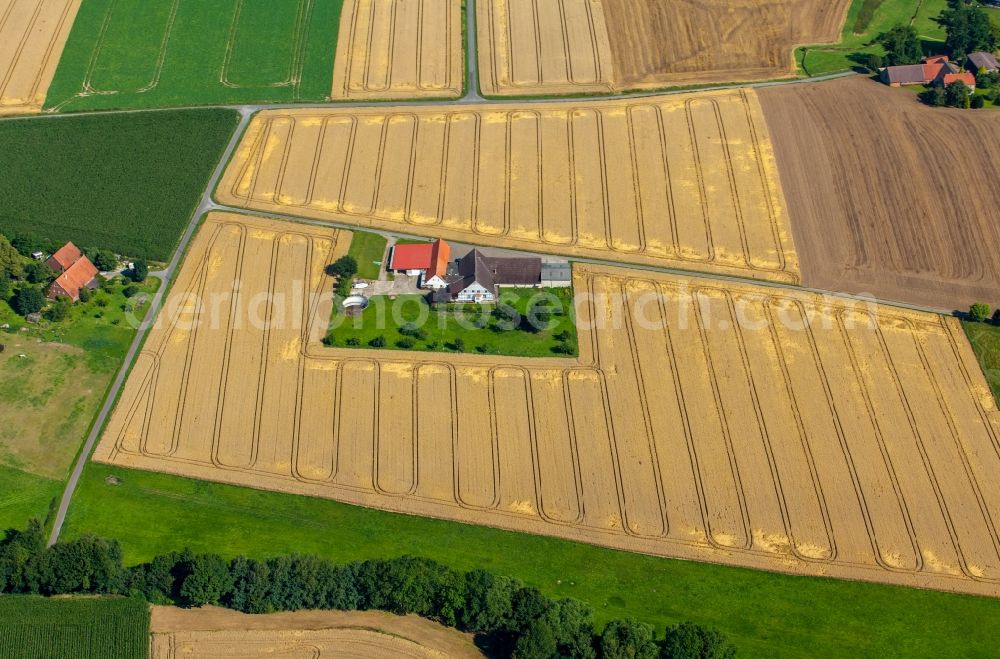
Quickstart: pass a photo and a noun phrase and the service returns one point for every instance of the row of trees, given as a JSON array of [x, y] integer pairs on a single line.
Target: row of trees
[[511, 618]]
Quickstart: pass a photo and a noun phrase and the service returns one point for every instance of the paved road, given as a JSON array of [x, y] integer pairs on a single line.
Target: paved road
[[166, 276], [472, 53]]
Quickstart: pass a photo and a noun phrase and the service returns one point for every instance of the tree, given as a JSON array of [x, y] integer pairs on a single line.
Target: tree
[[488, 601], [84, 565], [406, 343], [130, 291], [628, 639], [690, 641], [873, 61], [934, 96], [139, 271], [902, 46], [537, 642], [207, 580], [104, 260], [343, 268], [979, 312], [11, 261], [85, 294], [28, 300], [957, 95], [977, 102], [968, 29], [251, 585], [5, 285], [458, 344], [377, 342], [37, 272], [58, 310], [572, 624]]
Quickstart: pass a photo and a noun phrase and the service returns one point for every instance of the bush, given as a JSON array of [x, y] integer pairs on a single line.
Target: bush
[[458, 345], [139, 271], [689, 641], [58, 310], [406, 343], [977, 102], [411, 330], [378, 342], [28, 300], [37, 272], [86, 294], [130, 291], [979, 312], [563, 348], [353, 342], [873, 62]]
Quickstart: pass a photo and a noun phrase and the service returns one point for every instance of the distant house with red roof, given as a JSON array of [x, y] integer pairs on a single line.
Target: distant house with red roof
[[936, 70], [429, 261], [76, 272]]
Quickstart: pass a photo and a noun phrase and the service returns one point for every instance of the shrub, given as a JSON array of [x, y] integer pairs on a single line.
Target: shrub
[[101, 301], [378, 342], [406, 343], [37, 272], [977, 102], [458, 345], [353, 342], [139, 271], [58, 310], [28, 300], [563, 348], [130, 291], [979, 312], [86, 294]]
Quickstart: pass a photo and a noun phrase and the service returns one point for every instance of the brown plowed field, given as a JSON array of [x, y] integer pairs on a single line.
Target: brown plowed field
[[887, 196], [212, 633], [683, 181], [577, 46], [399, 49], [543, 47], [758, 427], [32, 36]]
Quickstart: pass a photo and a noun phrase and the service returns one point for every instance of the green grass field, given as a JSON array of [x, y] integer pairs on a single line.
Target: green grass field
[[764, 614], [126, 182], [90, 628], [985, 340], [368, 249], [442, 326], [161, 53], [822, 59], [23, 496]]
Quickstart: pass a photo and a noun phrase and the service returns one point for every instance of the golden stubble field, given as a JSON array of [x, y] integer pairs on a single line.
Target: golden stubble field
[[589, 46], [399, 49], [32, 36], [686, 181], [729, 423], [213, 633]]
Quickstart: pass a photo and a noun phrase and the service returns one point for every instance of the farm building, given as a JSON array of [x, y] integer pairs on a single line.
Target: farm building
[[981, 61], [476, 277], [429, 261], [64, 257], [937, 70], [556, 275], [76, 272]]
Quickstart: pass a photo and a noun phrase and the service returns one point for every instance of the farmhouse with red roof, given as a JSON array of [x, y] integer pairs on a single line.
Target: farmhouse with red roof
[[76, 272], [429, 261], [936, 70]]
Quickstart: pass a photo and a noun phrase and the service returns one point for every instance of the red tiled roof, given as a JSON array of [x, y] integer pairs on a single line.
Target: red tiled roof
[[933, 59], [412, 257], [968, 78], [67, 255], [440, 256], [77, 276], [932, 70]]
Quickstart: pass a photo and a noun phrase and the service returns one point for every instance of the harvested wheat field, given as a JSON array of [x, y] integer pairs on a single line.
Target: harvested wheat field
[[577, 46], [543, 47], [682, 181], [887, 196], [399, 49], [32, 36], [213, 633], [759, 427]]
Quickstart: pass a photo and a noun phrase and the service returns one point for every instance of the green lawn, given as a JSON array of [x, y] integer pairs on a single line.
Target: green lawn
[[88, 628], [161, 53], [23, 496], [985, 340], [125, 182], [823, 59], [765, 614], [368, 249], [472, 323]]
